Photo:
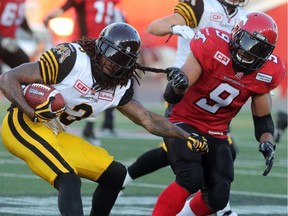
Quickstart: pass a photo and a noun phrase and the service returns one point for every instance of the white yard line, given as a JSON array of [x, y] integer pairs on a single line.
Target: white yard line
[[29, 206], [148, 185]]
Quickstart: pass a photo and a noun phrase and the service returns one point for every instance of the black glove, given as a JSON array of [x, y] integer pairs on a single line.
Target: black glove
[[172, 72], [44, 113], [198, 143], [268, 151], [177, 78]]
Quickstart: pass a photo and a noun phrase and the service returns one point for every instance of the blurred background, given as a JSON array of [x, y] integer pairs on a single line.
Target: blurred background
[[156, 52]]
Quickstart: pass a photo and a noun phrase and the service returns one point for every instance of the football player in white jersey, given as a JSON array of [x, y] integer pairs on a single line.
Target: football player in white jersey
[[188, 17], [92, 75]]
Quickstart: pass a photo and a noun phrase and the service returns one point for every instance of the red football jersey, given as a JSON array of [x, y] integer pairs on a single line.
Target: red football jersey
[[94, 16], [12, 14], [219, 93]]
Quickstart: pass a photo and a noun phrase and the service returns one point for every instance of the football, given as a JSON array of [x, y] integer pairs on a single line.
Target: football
[[37, 93]]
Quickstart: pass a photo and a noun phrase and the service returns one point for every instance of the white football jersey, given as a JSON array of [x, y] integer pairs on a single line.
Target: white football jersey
[[214, 15], [68, 68]]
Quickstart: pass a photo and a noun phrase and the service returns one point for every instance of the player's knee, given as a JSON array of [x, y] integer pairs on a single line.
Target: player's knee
[[192, 179], [218, 196], [113, 176], [67, 180]]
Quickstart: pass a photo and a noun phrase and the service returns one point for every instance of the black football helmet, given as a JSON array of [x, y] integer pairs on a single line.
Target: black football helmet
[[234, 3], [253, 40], [120, 44]]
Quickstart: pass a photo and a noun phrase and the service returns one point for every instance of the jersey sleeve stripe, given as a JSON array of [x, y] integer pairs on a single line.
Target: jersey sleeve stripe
[[55, 64], [187, 13], [42, 71], [46, 69], [49, 67]]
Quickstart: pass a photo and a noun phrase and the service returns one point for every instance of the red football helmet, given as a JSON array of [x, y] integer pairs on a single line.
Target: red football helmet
[[234, 3], [253, 41]]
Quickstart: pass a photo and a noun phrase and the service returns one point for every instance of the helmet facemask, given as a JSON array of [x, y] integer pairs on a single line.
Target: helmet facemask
[[248, 52], [121, 58]]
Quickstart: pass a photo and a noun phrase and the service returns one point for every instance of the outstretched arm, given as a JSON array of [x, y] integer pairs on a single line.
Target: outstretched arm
[[264, 128], [58, 11], [152, 122], [162, 26], [161, 126]]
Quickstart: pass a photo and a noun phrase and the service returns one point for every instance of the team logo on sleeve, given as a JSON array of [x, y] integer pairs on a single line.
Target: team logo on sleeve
[[222, 58], [263, 77], [63, 51]]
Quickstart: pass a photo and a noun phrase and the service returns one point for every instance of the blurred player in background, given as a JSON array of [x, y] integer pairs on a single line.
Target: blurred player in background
[[12, 17], [91, 16], [188, 17], [281, 125]]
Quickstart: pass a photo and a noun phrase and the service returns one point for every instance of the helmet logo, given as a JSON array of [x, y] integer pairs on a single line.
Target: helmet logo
[[244, 20]]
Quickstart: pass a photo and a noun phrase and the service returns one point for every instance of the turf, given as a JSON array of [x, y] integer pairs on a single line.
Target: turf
[[252, 193]]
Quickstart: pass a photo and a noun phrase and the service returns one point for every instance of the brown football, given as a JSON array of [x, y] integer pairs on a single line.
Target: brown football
[[37, 93]]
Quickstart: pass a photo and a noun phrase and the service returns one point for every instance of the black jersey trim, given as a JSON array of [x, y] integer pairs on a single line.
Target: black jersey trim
[[128, 95]]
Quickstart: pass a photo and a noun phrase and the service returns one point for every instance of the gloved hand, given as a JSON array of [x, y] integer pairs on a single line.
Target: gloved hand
[[268, 151], [43, 112], [177, 78], [183, 31], [198, 143]]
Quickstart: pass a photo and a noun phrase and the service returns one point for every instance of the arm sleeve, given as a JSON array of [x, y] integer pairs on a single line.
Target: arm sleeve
[[191, 13]]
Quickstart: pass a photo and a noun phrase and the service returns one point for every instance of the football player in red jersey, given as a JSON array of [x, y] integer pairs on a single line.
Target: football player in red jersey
[[12, 16], [92, 75], [224, 70], [188, 17], [91, 17]]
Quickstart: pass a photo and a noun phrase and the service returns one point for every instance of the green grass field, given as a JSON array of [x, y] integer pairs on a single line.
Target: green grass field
[[23, 193]]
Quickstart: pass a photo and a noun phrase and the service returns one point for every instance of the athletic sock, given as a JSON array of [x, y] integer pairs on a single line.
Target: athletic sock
[[171, 200], [127, 179], [198, 205], [224, 210], [186, 210]]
